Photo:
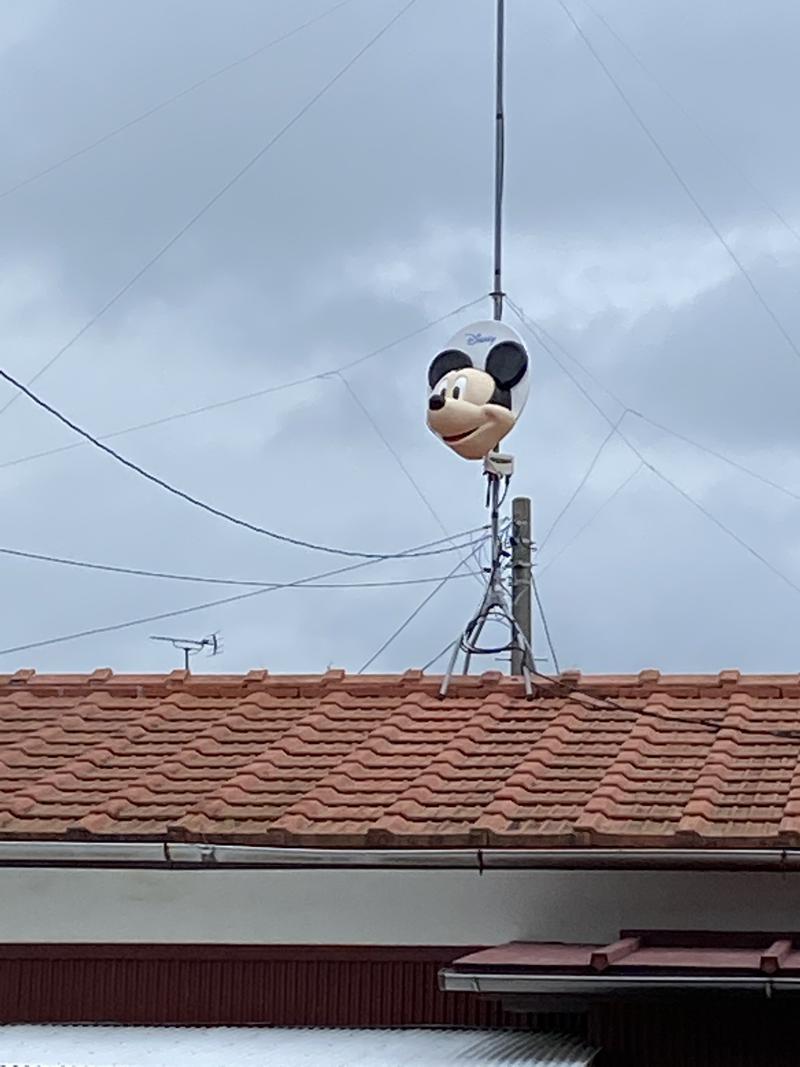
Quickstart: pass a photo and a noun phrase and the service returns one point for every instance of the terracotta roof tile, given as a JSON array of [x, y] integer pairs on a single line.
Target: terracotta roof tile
[[638, 761]]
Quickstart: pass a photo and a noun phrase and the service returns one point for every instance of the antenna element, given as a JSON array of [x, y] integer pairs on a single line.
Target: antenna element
[[497, 293], [478, 387], [190, 647]]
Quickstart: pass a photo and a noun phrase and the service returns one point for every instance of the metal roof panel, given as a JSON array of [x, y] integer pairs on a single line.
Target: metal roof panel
[[122, 1046]]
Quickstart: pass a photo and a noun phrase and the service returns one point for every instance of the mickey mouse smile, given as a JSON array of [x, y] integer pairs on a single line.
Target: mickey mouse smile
[[459, 436]]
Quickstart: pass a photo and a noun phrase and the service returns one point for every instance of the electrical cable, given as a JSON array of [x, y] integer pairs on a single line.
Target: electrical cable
[[388, 583], [247, 396], [202, 579], [578, 385], [449, 647], [396, 456], [622, 486], [660, 474], [717, 455], [537, 328], [170, 100], [545, 626], [96, 630], [438, 656], [722, 526], [196, 501], [410, 618], [392, 451], [683, 184], [600, 703], [698, 125], [587, 474], [217, 196]]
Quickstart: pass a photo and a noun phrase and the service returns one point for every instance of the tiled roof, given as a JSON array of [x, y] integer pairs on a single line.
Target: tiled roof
[[380, 761]]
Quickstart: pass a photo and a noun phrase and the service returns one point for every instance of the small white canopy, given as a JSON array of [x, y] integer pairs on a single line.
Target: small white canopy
[[166, 1046]]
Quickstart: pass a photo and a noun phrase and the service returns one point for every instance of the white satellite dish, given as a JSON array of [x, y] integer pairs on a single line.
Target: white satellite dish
[[478, 387]]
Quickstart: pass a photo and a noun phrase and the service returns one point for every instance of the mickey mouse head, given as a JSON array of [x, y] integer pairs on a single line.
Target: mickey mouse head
[[473, 409]]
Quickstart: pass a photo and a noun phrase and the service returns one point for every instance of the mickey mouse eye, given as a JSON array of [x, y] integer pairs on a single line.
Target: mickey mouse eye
[[460, 387], [440, 389]]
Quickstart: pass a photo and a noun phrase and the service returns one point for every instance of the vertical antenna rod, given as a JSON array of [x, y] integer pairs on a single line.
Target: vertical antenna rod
[[497, 293]]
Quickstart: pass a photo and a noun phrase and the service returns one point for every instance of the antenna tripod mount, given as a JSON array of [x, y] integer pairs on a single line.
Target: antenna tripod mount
[[498, 468]]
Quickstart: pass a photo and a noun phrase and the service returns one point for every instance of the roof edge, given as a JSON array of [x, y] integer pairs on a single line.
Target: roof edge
[[177, 680], [211, 856]]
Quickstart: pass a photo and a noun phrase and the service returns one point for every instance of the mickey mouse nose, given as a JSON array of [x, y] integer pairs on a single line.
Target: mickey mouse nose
[[436, 402]]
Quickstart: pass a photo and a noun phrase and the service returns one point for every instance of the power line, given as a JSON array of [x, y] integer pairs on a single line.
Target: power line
[[717, 455], [139, 572], [609, 499], [409, 619], [604, 703], [217, 196], [438, 656], [423, 603], [722, 526], [195, 501], [587, 474], [660, 474], [447, 648], [683, 184], [392, 451], [97, 630], [396, 456], [523, 318], [698, 125], [545, 626], [537, 328], [152, 423], [170, 100]]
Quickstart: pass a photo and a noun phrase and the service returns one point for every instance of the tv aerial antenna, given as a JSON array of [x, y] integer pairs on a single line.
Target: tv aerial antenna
[[479, 384], [497, 293], [191, 647]]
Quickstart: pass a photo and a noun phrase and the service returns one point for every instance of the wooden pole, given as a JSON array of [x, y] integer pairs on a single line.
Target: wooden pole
[[521, 581]]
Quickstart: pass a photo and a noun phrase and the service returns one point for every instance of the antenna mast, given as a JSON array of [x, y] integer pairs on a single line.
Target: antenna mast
[[498, 468], [497, 293]]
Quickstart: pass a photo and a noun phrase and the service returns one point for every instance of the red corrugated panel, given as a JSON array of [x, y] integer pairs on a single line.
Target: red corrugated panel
[[230, 985]]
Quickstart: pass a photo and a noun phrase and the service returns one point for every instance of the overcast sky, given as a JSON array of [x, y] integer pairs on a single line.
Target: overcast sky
[[369, 218]]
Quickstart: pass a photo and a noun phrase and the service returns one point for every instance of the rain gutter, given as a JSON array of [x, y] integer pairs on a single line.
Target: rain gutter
[[599, 985], [202, 856]]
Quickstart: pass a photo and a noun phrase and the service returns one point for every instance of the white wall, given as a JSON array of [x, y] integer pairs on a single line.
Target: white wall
[[391, 907]]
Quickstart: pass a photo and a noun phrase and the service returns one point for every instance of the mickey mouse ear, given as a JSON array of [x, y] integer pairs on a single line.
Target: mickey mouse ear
[[450, 359], [507, 363]]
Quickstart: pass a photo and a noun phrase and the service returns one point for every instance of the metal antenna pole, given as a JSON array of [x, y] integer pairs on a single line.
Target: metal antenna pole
[[521, 582], [497, 293], [494, 498], [494, 606]]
